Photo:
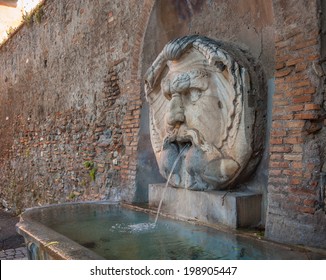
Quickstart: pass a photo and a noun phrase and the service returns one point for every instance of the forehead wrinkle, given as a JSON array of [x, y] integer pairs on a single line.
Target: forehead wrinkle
[[199, 82]]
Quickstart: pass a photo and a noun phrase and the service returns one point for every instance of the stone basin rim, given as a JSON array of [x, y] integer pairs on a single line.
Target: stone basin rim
[[62, 247]]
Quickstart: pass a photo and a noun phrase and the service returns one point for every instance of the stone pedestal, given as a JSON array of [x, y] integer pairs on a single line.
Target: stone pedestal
[[233, 209]]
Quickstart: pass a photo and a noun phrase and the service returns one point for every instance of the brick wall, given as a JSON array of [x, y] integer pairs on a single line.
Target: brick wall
[[131, 124], [296, 141]]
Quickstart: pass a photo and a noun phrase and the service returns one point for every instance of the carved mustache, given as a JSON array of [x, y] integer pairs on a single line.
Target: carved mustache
[[183, 134]]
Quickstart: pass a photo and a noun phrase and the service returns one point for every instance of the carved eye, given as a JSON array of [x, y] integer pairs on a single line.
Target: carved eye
[[195, 94]]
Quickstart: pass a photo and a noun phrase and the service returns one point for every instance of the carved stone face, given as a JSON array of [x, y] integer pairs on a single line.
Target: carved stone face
[[198, 107]]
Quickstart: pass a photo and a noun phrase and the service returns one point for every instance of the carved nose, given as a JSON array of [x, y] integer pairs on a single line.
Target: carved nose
[[176, 110]]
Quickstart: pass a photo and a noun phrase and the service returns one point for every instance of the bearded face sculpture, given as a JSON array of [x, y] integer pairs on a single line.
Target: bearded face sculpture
[[203, 99]]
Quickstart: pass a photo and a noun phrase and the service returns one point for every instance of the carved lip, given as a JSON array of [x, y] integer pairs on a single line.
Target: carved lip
[[182, 134], [178, 142]]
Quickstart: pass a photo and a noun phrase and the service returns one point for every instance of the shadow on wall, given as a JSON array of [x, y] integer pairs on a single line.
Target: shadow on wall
[[147, 169]]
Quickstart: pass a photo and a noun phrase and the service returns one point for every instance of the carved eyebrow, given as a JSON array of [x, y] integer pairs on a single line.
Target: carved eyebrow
[[199, 82], [180, 82], [199, 78]]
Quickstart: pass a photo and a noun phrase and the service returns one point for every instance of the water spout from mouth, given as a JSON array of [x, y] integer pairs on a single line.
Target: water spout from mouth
[[168, 180], [184, 134]]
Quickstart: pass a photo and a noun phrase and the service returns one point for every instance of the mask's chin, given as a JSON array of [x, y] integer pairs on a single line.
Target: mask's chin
[[188, 168], [168, 158], [194, 170]]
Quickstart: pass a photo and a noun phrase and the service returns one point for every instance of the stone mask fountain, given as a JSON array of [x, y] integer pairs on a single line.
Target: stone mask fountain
[[207, 127], [205, 94]]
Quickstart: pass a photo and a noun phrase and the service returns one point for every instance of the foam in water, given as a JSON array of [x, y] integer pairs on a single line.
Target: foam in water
[[133, 228]]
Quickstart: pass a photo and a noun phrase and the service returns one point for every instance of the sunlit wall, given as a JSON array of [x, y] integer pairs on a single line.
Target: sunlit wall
[[11, 16]]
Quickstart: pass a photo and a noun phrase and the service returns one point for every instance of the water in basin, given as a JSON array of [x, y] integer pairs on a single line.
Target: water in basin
[[125, 234]]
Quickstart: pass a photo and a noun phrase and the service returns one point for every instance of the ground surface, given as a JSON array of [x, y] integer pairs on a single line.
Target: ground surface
[[9, 238]]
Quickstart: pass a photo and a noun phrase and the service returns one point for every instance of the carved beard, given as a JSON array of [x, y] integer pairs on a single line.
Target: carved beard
[[200, 167]]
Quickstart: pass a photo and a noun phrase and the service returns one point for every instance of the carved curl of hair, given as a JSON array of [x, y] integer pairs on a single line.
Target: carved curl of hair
[[175, 48]]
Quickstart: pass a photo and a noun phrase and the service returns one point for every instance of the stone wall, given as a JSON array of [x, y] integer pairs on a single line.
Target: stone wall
[[296, 213], [69, 115], [74, 123]]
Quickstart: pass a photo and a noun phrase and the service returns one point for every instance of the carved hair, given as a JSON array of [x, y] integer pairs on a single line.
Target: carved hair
[[216, 56]]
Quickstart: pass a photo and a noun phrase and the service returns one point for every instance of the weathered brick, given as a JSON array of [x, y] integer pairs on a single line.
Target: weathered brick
[[306, 116], [279, 180], [294, 61], [283, 58], [300, 67], [277, 157], [283, 72], [295, 78], [287, 116], [278, 133], [294, 124], [305, 44], [293, 173], [278, 95], [282, 44], [304, 83], [293, 140], [309, 202], [296, 132], [280, 103], [297, 148], [278, 110], [293, 199], [309, 90], [308, 210], [313, 57], [312, 106], [302, 99], [293, 157], [300, 91], [297, 165], [277, 124], [279, 65], [276, 141], [295, 108], [303, 191], [275, 172], [279, 164]]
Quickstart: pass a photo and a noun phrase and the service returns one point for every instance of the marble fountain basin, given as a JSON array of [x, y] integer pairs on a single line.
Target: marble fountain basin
[[104, 230]]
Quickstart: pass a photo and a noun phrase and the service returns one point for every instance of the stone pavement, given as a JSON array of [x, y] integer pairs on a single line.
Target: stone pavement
[[14, 254]]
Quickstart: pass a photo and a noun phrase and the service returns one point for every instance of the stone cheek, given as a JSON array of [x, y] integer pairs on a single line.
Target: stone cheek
[[202, 110]]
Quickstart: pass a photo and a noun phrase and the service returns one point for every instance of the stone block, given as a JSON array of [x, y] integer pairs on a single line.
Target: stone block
[[232, 209]]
